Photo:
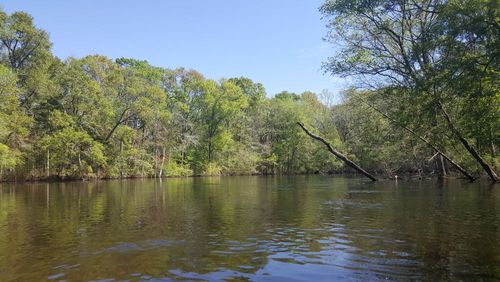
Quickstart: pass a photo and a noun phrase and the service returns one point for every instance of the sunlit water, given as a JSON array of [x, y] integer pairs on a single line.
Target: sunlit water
[[314, 228]]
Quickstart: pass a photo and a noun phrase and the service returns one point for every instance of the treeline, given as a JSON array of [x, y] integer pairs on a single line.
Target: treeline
[[96, 117]]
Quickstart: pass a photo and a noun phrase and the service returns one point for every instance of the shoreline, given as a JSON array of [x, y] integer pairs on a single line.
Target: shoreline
[[381, 177]]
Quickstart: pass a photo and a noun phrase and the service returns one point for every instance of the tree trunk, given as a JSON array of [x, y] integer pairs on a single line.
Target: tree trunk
[[457, 166], [210, 150], [337, 153], [162, 162], [442, 168], [48, 163], [112, 131], [121, 156], [80, 165], [289, 164], [156, 162], [118, 123], [493, 176]]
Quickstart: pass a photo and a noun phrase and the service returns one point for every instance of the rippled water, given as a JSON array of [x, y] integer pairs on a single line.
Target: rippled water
[[314, 228]]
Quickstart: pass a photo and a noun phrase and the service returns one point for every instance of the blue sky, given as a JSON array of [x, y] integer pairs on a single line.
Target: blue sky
[[275, 42]]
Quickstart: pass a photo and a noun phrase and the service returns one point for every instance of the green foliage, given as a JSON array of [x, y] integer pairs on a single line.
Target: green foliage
[[24, 45], [73, 153], [8, 158], [98, 117], [172, 168], [428, 60], [14, 123], [212, 169], [291, 151]]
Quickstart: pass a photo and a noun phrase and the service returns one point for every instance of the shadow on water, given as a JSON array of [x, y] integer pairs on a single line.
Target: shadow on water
[[250, 228]]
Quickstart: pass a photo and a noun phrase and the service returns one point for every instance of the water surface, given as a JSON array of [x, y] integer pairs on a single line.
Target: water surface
[[315, 228]]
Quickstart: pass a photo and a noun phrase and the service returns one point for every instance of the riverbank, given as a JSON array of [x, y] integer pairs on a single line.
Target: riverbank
[[404, 176]]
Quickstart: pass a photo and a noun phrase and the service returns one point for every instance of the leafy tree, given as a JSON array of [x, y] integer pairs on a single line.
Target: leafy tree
[[14, 123], [23, 45], [409, 48], [73, 153], [290, 150], [217, 109]]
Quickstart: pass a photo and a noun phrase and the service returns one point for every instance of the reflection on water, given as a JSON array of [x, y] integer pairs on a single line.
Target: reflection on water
[[249, 228]]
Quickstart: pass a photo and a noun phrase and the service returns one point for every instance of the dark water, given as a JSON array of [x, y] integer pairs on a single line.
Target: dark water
[[250, 228]]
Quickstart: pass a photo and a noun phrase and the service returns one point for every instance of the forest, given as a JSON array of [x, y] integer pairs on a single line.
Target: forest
[[425, 102]]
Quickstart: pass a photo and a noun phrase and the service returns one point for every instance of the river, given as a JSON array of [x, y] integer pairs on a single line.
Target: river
[[313, 228]]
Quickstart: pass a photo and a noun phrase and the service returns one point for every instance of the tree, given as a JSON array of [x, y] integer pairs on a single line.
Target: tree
[[182, 87], [404, 46], [72, 152], [290, 150], [78, 94], [23, 45], [217, 109], [14, 123]]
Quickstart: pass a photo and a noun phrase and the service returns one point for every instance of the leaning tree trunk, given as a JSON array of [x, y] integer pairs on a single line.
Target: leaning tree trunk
[[337, 153], [493, 176], [457, 166]]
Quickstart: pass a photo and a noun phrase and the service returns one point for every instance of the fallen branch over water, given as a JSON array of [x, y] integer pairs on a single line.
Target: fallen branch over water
[[438, 152], [337, 153]]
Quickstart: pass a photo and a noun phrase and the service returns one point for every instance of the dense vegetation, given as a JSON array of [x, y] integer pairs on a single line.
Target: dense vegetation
[[431, 66]]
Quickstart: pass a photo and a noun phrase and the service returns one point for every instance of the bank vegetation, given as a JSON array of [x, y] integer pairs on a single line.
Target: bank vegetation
[[425, 103]]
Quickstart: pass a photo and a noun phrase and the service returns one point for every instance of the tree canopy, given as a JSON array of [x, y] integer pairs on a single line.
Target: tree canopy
[[430, 65]]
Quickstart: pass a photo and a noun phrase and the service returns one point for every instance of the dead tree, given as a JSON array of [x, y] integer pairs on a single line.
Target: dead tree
[[337, 153]]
